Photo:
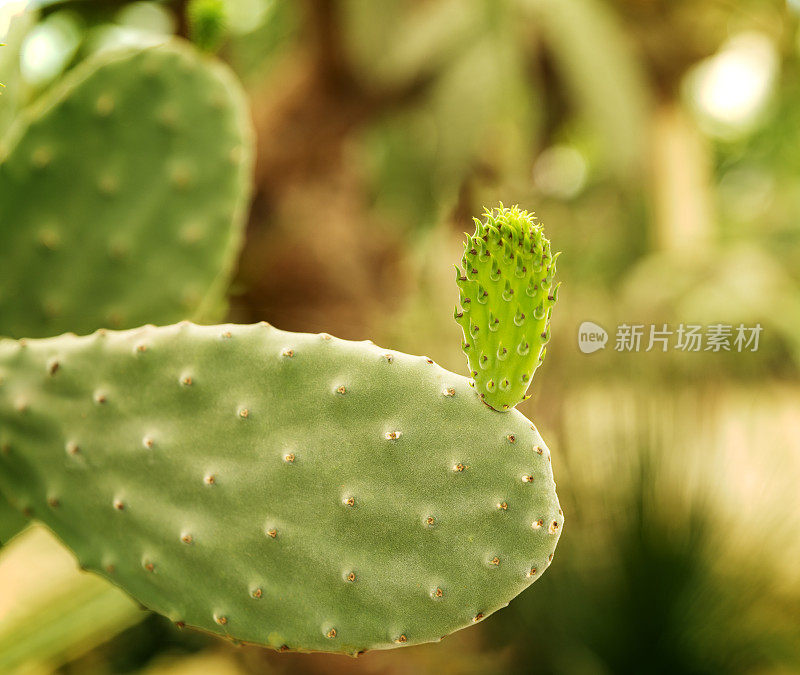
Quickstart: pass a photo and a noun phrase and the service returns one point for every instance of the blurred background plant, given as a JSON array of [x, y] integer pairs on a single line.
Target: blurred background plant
[[658, 141]]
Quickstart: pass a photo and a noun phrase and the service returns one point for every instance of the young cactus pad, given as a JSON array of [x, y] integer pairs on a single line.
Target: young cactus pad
[[291, 490], [123, 194], [506, 297]]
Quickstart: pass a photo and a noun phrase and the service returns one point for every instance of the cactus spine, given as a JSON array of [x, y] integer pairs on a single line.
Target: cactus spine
[[506, 296]]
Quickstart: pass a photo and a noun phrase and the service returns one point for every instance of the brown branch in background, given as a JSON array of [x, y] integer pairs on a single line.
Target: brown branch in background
[[556, 108], [330, 59], [179, 8]]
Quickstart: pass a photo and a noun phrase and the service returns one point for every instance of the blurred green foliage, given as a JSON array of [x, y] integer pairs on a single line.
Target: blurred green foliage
[[207, 23]]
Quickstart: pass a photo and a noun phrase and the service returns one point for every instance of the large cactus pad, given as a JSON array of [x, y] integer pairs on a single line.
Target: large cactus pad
[[292, 490], [123, 194]]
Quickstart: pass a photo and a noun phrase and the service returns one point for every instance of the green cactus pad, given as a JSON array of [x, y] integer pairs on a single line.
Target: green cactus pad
[[11, 522], [506, 299], [290, 490], [123, 195]]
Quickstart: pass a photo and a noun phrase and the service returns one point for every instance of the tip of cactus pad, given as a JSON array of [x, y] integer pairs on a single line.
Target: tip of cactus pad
[[506, 293]]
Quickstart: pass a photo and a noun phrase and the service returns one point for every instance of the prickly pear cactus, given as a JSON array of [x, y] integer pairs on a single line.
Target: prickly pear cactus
[[290, 490], [123, 195], [506, 299]]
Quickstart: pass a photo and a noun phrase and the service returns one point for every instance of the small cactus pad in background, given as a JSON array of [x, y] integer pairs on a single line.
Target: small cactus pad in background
[[506, 298], [123, 195], [291, 490]]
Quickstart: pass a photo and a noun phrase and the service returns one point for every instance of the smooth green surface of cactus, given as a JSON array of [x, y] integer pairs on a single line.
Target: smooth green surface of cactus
[[506, 296], [291, 490], [12, 522], [123, 194]]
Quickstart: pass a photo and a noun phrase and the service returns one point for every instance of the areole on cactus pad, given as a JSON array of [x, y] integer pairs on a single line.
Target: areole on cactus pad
[[290, 490]]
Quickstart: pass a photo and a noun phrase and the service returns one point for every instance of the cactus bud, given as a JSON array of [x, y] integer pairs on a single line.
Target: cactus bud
[[510, 274]]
